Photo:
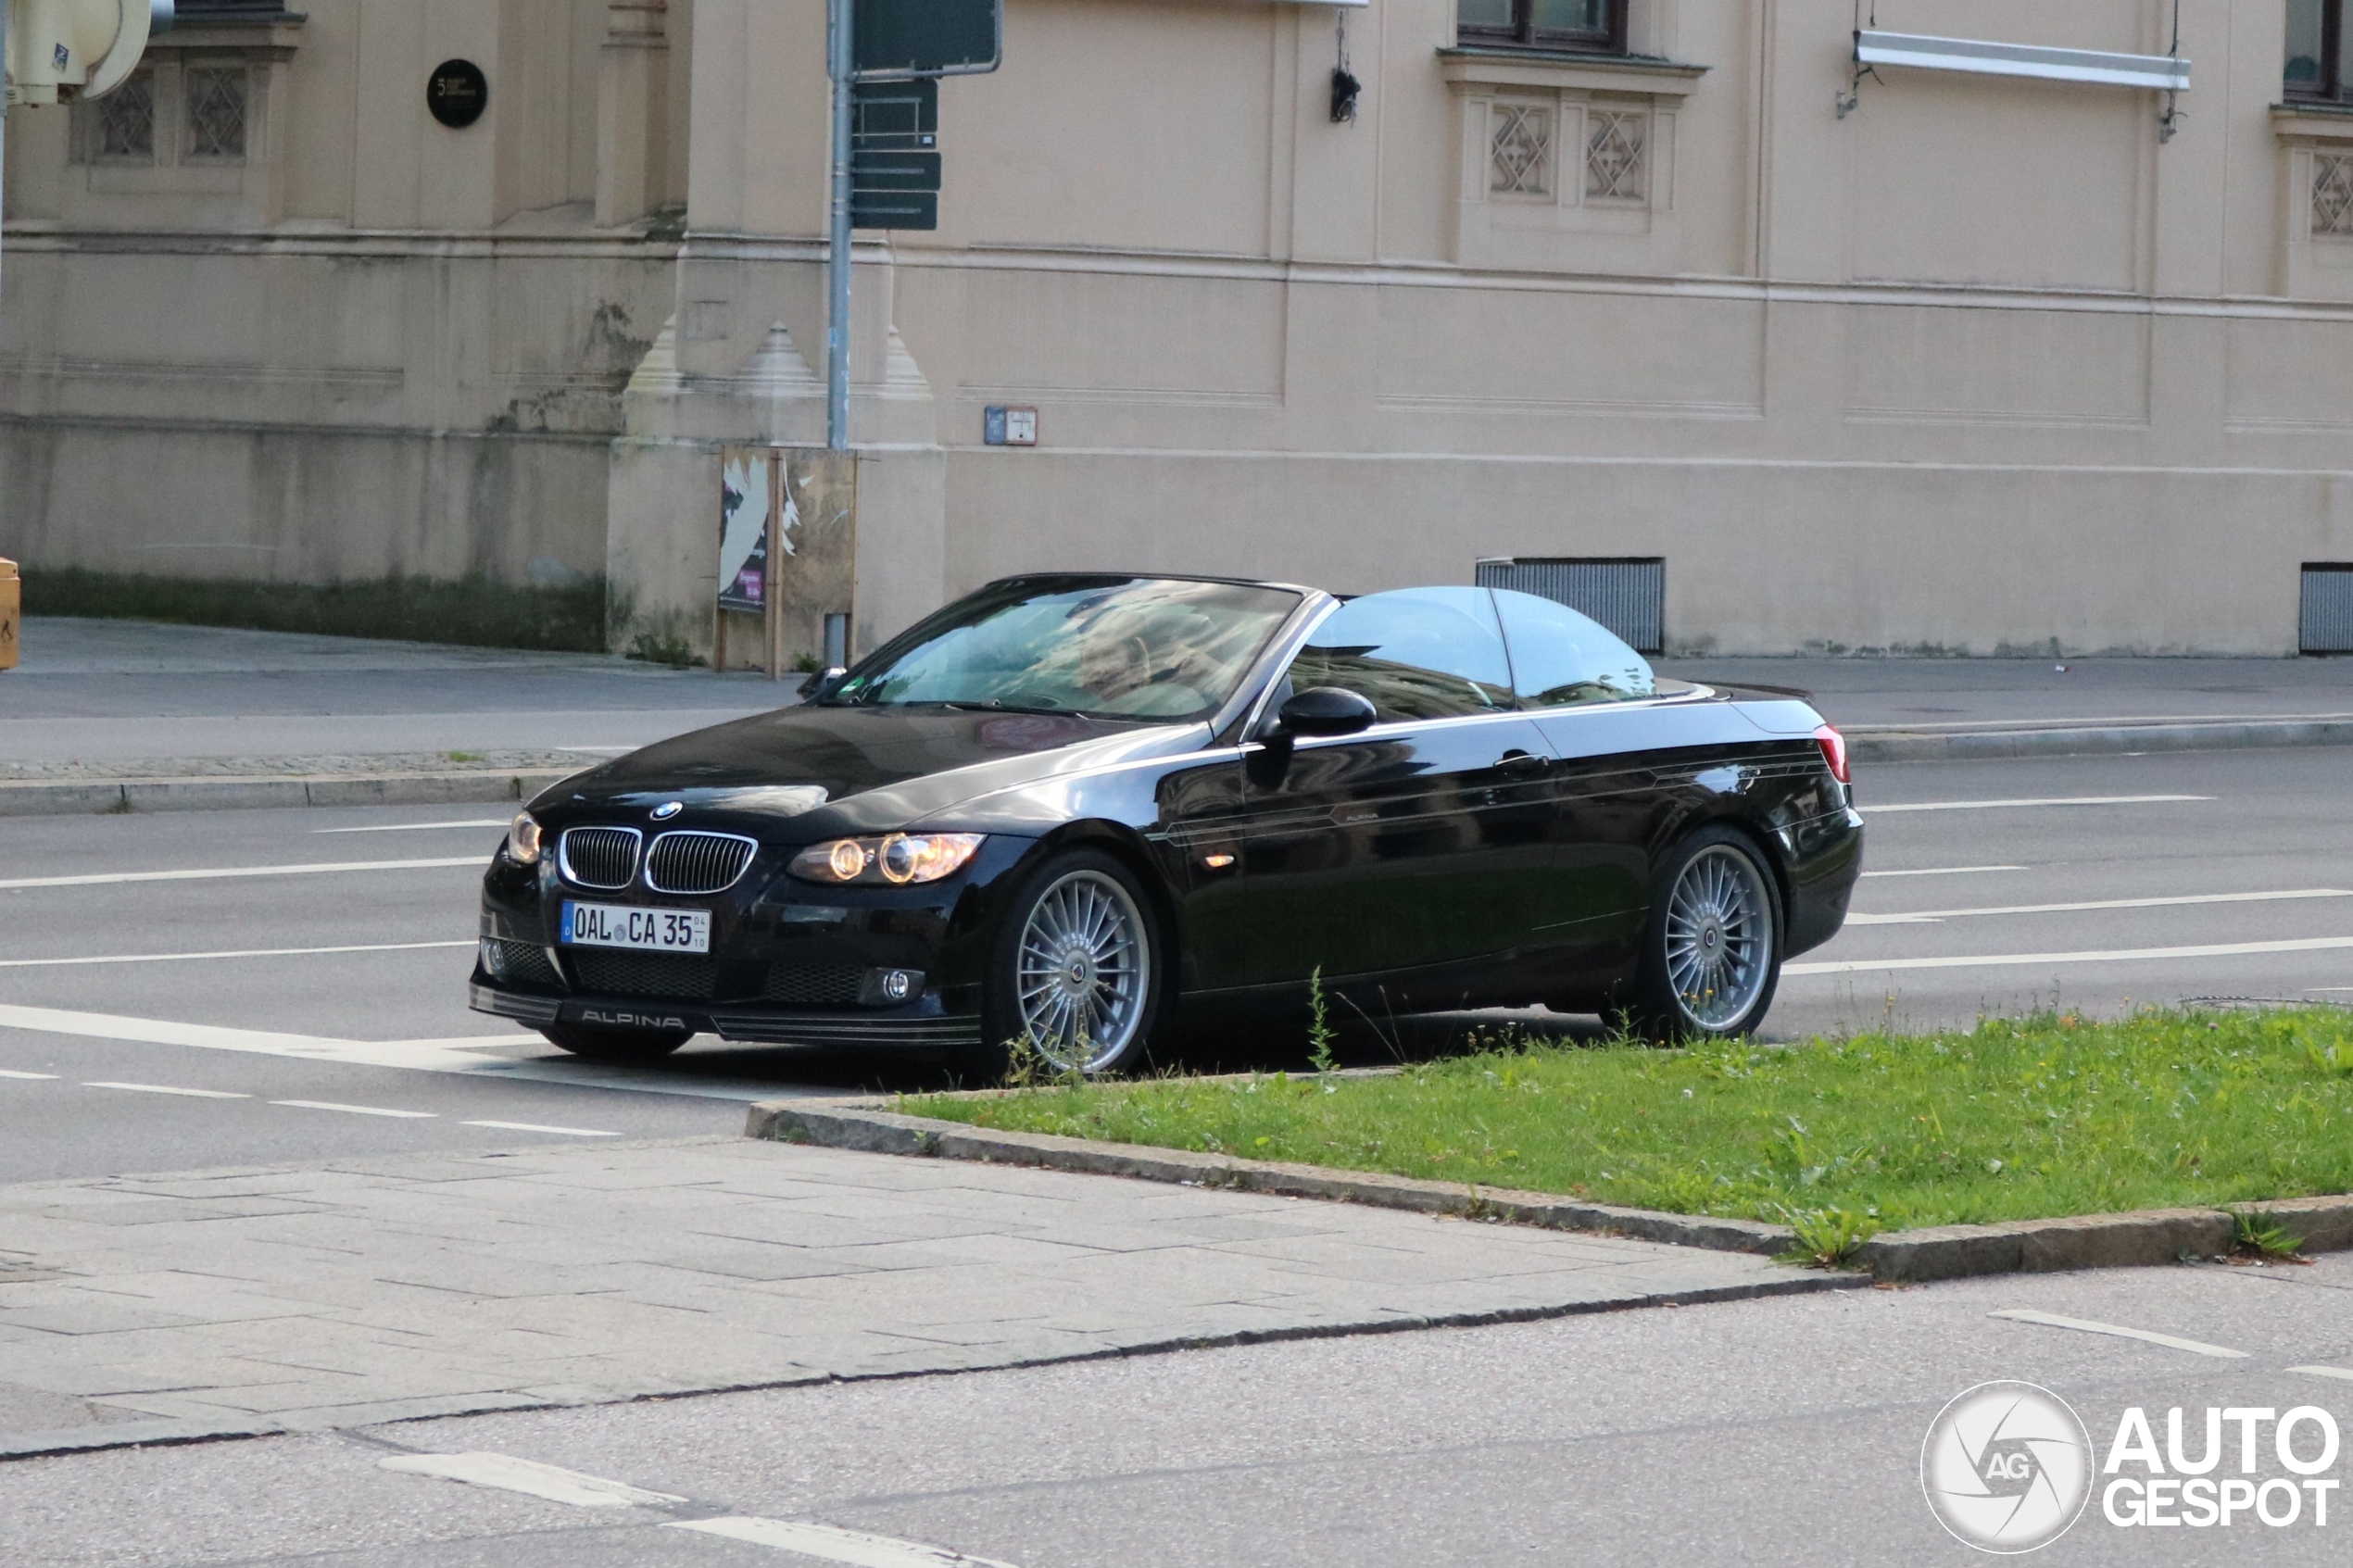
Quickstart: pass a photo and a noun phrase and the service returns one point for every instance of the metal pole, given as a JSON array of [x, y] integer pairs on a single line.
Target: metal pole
[[3, 110], [839, 20]]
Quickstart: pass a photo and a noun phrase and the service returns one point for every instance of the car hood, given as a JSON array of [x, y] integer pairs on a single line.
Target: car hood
[[854, 769]]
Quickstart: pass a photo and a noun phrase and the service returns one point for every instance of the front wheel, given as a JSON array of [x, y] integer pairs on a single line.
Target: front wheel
[[1712, 946], [619, 1047], [1075, 970]]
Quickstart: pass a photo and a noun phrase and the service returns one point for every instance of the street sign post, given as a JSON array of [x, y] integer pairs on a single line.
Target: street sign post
[[885, 57]]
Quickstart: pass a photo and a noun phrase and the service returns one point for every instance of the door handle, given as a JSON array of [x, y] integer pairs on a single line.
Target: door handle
[[1524, 763]]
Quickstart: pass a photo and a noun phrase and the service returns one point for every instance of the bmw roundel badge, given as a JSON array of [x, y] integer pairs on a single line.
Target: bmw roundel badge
[[668, 809]]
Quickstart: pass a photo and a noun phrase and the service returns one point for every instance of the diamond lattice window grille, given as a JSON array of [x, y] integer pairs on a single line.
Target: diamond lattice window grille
[[216, 97], [1614, 145], [1522, 150], [2331, 193], [126, 127]]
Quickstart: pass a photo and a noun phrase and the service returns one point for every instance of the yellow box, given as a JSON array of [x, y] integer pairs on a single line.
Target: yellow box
[[11, 599]]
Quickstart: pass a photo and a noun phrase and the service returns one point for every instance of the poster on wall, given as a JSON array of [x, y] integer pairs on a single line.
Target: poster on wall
[[743, 531]]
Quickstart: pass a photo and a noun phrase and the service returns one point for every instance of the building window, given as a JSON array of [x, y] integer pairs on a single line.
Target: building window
[[1593, 27], [120, 127], [1617, 147], [1520, 150], [2317, 66], [215, 109]]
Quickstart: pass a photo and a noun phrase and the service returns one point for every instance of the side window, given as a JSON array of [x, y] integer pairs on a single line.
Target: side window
[[1416, 653], [1560, 659]]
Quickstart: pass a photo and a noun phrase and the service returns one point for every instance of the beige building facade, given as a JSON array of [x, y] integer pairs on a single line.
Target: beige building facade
[[1932, 361]]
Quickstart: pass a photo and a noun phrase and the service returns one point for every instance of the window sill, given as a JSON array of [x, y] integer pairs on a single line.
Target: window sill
[[1484, 65], [2312, 122]]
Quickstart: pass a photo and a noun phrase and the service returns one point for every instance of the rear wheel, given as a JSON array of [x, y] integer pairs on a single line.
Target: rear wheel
[[1712, 947], [616, 1046], [1075, 970]]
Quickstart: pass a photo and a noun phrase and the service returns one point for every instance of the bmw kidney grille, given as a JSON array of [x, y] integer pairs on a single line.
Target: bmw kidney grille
[[698, 862], [605, 857]]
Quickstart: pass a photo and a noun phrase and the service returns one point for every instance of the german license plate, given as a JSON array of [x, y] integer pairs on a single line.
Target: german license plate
[[619, 925]]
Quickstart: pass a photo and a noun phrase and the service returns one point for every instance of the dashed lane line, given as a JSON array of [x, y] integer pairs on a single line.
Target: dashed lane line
[[827, 1543], [1925, 917], [830, 1544], [2341, 1373], [2112, 954], [355, 1109], [455, 1056], [420, 827], [1948, 870], [535, 1127], [230, 953], [32, 1077], [2051, 800], [2087, 1326], [325, 868], [169, 1090], [504, 1473]]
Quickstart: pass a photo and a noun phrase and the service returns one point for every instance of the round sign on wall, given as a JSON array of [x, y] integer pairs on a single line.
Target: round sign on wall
[[458, 92]]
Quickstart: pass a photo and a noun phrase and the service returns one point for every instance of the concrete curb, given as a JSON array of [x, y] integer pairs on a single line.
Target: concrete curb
[[63, 798], [2090, 1241], [1911, 746]]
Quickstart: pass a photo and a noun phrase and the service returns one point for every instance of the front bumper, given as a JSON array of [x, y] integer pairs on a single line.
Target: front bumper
[[921, 1025]]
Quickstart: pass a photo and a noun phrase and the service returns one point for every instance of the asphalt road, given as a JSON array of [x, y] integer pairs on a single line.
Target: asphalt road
[[1784, 1431], [2203, 876]]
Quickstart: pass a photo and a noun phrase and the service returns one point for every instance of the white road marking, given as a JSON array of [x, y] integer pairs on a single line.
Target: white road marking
[[2336, 1371], [833, 1544], [231, 953], [37, 1077], [215, 872], [2053, 1320], [167, 1089], [423, 1056], [535, 1127], [1924, 917], [2114, 955], [354, 1109], [1949, 870], [506, 1474], [420, 827], [2059, 800]]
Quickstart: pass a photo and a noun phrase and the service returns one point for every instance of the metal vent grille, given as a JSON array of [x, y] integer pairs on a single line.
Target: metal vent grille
[[523, 964], [1626, 593], [645, 974], [814, 985], [599, 857], [698, 862], [2326, 625]]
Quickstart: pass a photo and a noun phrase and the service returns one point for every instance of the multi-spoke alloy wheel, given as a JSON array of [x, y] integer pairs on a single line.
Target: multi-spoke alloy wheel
[[1083, 970], [1720, 933], [1713, 949]]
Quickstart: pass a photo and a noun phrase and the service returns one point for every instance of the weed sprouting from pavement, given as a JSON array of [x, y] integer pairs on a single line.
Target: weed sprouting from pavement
[[2258, 1234], [1827, 1238]]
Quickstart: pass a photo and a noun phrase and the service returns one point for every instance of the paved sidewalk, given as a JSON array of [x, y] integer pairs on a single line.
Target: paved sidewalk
[[351, 1293]]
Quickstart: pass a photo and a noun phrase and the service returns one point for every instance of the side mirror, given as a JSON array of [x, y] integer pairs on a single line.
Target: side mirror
[[1326, 710], [821, 682]]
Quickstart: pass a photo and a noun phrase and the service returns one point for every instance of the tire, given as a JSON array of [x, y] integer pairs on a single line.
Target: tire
[[1074, 967], [1712, 946], [619, 1047]]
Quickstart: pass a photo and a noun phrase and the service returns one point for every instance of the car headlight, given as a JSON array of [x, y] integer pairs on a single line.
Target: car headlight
[[896, 859], [523, 840]]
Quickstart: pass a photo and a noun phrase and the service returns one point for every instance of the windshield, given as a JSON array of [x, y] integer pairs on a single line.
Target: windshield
[[1110, 647]]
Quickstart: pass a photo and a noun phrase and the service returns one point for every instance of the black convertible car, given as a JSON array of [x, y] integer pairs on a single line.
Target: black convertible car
[[1070, 808]]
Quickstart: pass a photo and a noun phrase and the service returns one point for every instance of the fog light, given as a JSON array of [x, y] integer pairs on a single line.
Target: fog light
[[890, 987], [494, 959]]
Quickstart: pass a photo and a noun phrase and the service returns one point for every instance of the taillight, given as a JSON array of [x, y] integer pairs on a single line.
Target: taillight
[[1833, 746]]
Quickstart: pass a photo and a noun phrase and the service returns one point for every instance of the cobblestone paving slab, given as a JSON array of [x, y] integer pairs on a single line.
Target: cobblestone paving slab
[[351, 1293]]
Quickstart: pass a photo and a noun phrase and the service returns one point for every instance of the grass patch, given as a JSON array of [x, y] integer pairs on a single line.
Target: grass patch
[[2022, 1119], [470, 612]]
